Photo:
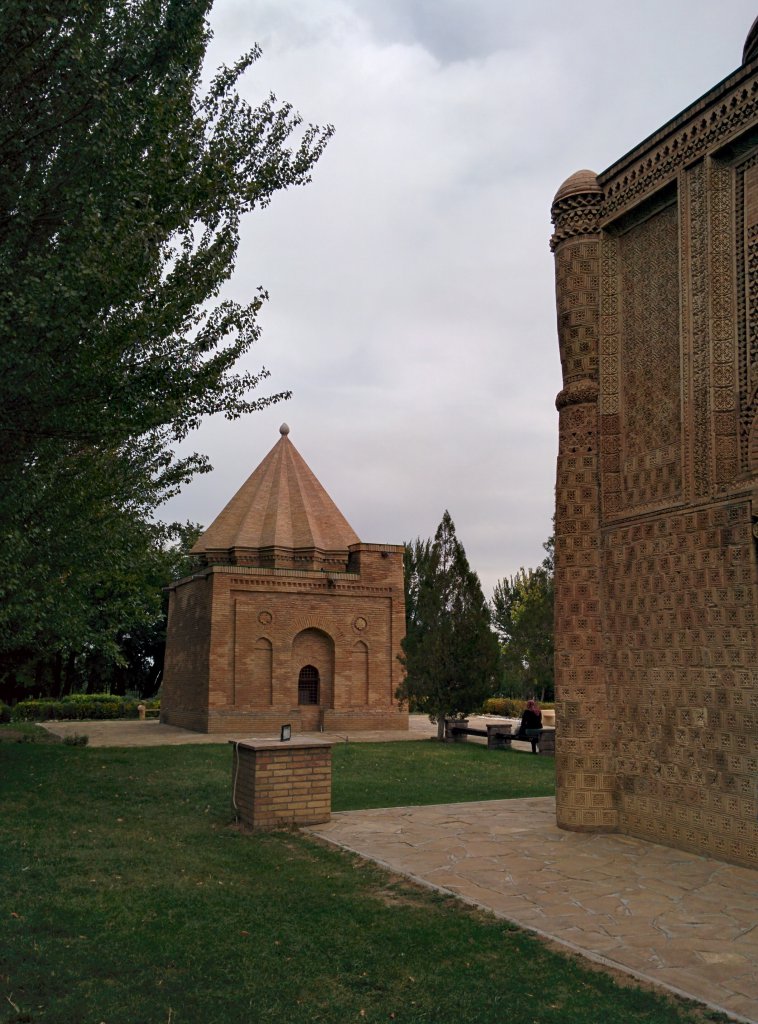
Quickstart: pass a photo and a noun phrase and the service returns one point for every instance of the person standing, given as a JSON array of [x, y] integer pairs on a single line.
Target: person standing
[[530, 719]]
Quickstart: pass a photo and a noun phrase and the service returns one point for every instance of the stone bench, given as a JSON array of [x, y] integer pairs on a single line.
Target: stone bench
[[498, 735], [545, 739]]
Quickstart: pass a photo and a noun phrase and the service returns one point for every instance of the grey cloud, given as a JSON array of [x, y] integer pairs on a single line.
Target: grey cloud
[[412, 296]]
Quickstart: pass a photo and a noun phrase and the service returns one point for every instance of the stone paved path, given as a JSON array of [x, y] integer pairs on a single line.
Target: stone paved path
[[152, 733], [672, 918]]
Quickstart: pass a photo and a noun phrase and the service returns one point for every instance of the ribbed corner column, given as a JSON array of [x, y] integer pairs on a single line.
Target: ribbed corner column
[[585, 778]]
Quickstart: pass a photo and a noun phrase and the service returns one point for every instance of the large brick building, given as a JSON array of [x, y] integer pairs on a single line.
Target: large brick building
[[657, 487], [288, 618]]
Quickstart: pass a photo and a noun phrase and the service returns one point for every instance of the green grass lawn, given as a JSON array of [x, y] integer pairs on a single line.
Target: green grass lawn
[[128, 897], [400, 774]]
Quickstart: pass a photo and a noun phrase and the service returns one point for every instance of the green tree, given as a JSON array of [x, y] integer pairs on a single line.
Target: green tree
[[143, 644], [122, 188], [450, 653], [522, 614], [136, 610]]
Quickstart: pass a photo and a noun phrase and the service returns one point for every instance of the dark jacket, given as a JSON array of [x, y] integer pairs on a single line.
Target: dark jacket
[[530, 720]]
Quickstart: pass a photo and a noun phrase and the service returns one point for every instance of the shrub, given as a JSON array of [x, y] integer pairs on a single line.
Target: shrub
[[509, 707], [76, 707], [5, 712], [76, 740], [33, 710]]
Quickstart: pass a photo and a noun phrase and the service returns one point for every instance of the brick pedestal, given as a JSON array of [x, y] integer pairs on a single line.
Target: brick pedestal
[[450, 736], [276, 784], [547, 742], [498, 736]]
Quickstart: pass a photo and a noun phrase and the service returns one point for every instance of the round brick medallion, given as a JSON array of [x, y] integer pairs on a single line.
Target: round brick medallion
[[265, 618], [360, 623]]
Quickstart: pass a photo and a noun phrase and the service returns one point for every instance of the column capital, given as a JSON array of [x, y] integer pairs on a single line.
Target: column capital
[[576, 207]]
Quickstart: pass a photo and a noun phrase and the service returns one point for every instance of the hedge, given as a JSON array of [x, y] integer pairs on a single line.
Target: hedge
[[509, 707], [79, 706]]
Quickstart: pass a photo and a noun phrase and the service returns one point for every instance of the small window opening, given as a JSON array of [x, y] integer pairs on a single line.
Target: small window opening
[[307, 685]]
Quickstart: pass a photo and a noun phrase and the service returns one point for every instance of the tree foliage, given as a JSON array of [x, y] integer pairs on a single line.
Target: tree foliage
[[522, 614], [135, 611], [450, 653], [142, 643], [122, 189]]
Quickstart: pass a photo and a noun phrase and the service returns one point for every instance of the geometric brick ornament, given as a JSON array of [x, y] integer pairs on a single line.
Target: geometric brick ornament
[[656, 531]]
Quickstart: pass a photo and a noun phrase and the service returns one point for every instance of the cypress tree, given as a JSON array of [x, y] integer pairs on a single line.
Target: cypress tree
[[450, 654]]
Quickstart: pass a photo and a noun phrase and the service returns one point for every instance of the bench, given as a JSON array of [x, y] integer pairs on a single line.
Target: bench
[[498, 736], [545, 739]]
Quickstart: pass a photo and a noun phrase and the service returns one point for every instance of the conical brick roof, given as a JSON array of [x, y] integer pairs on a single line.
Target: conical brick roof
[[280, 517]]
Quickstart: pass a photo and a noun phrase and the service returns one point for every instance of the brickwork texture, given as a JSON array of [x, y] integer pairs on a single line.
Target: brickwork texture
[[310, 601], [657, 484], [276, 785]]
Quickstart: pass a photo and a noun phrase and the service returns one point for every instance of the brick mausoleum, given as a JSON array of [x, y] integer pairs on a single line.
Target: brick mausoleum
[[288, 618], [657, 486]]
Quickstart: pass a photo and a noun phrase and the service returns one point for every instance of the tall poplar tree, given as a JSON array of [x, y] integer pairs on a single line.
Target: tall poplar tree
[[522, 614], [122, 188], [450, 654]]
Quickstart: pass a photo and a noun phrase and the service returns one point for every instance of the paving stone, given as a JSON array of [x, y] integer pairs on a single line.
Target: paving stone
[[684, 922]]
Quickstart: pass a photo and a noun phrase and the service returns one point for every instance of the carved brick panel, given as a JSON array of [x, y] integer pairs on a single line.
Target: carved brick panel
[[641, 365], [747, 277], [680, 650], [723, 323], [695, 273]]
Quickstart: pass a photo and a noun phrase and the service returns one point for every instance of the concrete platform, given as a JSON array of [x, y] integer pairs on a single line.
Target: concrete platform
[[152, 733], [687, 923]]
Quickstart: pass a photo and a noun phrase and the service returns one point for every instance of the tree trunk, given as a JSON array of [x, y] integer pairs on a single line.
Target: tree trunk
[[58, 675], [69, 675], [40, 688]]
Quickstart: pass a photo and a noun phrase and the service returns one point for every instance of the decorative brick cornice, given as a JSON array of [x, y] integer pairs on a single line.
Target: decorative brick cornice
[[717, 119]]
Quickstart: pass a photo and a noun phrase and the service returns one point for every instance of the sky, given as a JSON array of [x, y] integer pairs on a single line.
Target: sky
[[411, 283]]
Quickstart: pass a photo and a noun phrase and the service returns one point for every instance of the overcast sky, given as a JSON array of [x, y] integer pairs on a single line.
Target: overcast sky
[[411, 285]]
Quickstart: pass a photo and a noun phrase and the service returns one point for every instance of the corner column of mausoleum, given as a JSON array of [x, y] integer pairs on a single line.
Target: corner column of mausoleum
[[584, 760]]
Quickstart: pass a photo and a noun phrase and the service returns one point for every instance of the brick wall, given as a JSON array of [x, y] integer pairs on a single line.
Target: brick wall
[[263, 626], [656, 555]]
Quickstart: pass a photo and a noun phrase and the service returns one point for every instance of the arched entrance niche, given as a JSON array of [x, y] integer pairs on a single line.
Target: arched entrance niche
[[259, 692], [313, 662], [359, 675]]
